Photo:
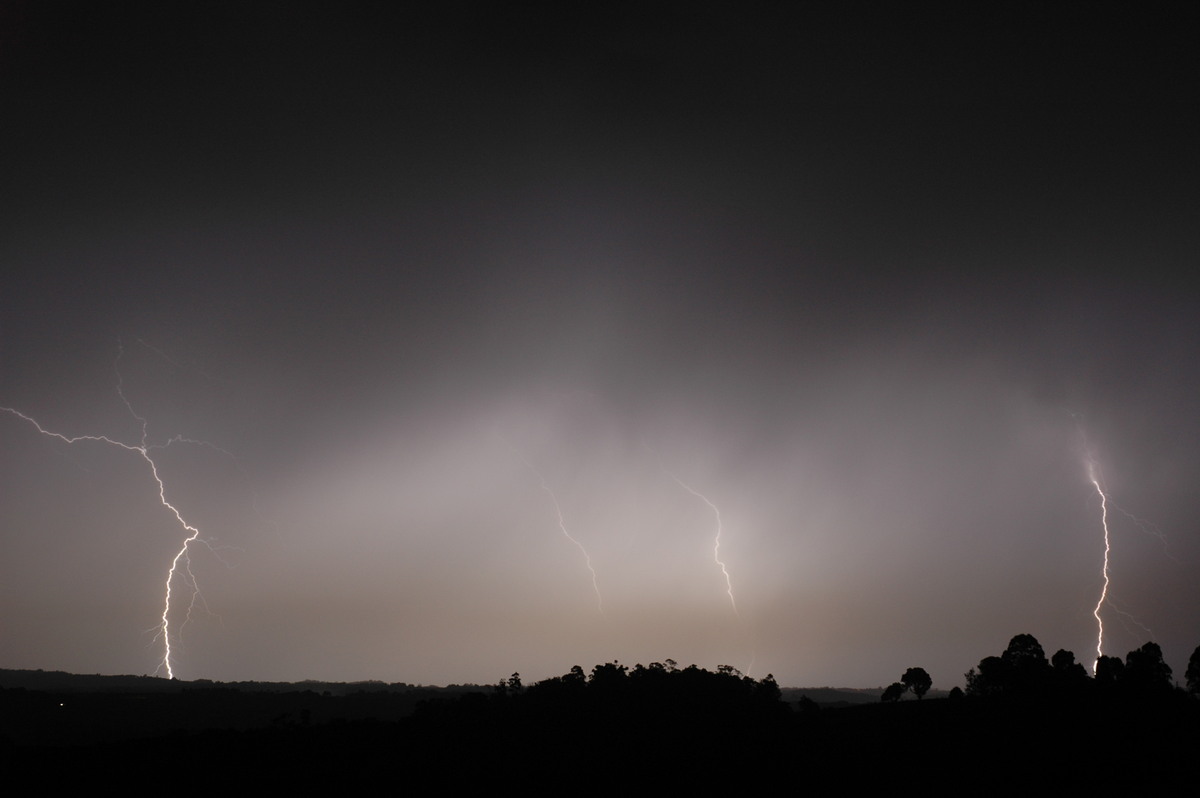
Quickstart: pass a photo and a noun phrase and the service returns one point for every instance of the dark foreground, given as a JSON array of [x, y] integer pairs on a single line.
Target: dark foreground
[[615, 731]]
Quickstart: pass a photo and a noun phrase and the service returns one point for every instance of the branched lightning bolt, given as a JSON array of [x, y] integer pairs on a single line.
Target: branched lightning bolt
[[562, 525], [1147, 528], [1128, 618], [181, 565]]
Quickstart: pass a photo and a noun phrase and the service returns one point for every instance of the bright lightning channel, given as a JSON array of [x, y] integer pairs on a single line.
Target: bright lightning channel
[[1107, 548], [1105, 598], [181, 565], [562, 525]]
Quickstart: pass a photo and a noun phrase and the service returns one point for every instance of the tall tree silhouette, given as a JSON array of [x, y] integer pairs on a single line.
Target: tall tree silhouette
[[1193, 672]]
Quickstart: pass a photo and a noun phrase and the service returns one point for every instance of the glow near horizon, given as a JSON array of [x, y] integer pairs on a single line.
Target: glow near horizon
[[181, 563]]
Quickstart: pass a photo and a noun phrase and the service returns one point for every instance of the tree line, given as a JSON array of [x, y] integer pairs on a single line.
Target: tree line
[[1023, 669]]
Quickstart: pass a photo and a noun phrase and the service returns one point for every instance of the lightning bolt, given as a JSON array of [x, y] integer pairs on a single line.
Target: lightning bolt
[[1095, 476], [1091, 466], [562, 525], [716, 539], [1106, 599], [181, 565], [1128, 617], [716, 548], [720, 528], [1148, 528]]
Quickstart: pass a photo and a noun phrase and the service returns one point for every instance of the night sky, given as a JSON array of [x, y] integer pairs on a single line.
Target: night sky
[[874, 281]]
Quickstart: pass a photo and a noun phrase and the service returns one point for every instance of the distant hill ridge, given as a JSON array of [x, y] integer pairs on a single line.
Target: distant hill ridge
[[62, 681]]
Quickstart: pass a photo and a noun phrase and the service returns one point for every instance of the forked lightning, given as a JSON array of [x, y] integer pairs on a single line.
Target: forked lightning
[[180, 568]]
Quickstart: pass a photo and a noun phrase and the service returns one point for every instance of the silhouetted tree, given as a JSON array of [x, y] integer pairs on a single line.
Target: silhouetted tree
[[917, 680], [575, 677], [767, 690], [1068, 673], [1021, 669], [1145, 669], [893, 692], [1193, 672], [1025, 652], [1108, 671], [607, 677], [992, 677]]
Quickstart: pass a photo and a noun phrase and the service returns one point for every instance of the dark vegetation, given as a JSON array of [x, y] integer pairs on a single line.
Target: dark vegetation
[[1024, 721]]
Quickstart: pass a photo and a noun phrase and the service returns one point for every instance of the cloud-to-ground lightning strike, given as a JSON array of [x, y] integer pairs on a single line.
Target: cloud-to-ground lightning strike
[[1095, 478], [180, 567], [1107, 549], [562, 525], [1105, 598]]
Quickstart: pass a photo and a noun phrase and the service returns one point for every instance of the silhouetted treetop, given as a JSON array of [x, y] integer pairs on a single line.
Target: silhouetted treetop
[[1068, 674], [614, 689], [1062, 659], [1108, 670], [990, 677], [1022, 668], [610, 674], [917, 680], [1025, 652], [1193, 672], [1145, 669], [1022, 671]]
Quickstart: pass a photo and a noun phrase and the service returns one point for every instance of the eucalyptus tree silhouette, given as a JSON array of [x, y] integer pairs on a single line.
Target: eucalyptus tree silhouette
[[1025, 652], [1145, 669], [1021, 669], [1108, 671], [1193, 672], [1067, 673], [917, 680]]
